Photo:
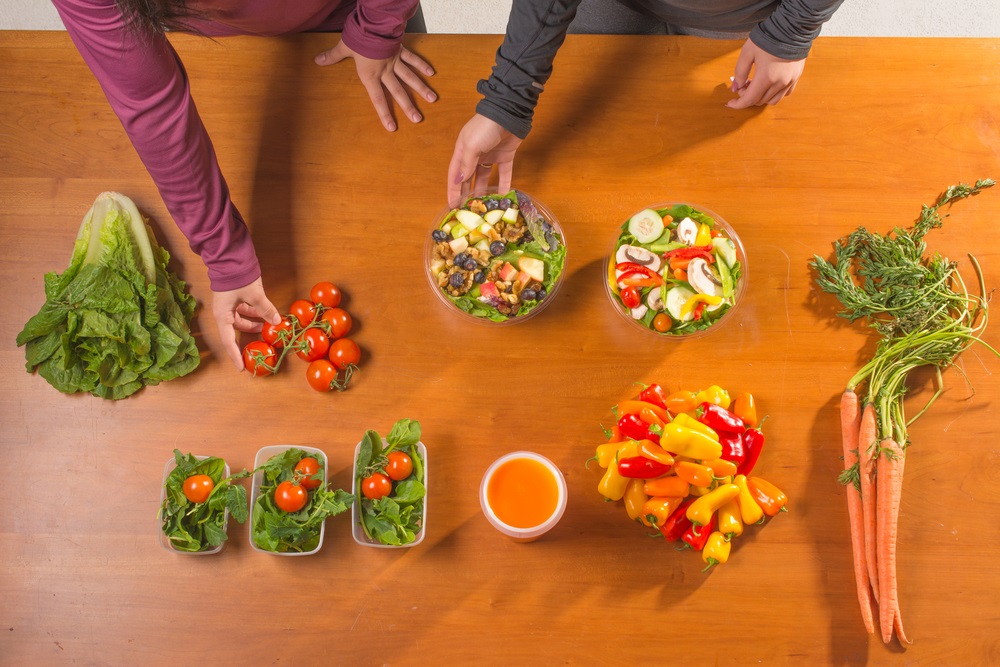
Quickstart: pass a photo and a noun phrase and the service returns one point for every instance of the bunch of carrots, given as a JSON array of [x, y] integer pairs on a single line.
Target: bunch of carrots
[[925, 316]]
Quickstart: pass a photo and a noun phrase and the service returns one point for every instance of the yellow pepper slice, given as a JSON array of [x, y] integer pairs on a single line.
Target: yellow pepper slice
[[693, 302], [704, 236]]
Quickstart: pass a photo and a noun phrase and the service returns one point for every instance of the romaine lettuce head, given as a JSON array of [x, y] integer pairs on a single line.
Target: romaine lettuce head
[[116, 319]]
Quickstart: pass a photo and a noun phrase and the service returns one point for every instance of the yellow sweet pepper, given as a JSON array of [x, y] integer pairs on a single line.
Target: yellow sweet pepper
[[635, 498], [682, 441], [715, 395], [612, 485], [749, 509], [716, 550], [700, 511], [730, 519], [687, 421]]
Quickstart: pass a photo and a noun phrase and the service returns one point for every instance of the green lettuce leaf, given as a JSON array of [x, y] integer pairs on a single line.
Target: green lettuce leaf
[[116, 319]]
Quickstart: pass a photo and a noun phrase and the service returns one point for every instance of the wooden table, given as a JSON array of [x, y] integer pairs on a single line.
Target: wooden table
[[875, 129]]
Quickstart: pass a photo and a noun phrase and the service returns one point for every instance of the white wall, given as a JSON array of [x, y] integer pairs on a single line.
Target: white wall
[[888, 18]]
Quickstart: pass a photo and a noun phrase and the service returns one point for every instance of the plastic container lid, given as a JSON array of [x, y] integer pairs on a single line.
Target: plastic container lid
[[263, 454], [514, 532]]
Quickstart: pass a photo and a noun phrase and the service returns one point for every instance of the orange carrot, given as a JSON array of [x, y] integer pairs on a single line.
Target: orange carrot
[[866, 440], [850, 424], [890, 488]]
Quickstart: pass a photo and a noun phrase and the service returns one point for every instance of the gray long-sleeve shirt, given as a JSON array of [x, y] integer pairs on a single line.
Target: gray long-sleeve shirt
[[536, 29]]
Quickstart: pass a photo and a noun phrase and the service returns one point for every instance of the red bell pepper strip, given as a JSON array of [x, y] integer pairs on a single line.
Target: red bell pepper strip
[[690, 253], [636, 279], [753, 443], [632, 267], [719, 419], [678, 523], [732, 447], [696, 536], [639, 467]]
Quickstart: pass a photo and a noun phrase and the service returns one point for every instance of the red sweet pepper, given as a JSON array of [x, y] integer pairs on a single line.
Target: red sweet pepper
[[732, 447], [633, 428], [632, 267], [753, 443], [639, 467], [677, 524], [719, 419], [704, 251], [696, 536], [654, 394]]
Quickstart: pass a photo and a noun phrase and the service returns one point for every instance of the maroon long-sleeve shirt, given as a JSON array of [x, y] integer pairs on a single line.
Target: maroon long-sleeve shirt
[[146, 84]]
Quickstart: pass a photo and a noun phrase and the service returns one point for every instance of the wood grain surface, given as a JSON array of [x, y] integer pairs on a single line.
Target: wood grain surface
[[876, 128]]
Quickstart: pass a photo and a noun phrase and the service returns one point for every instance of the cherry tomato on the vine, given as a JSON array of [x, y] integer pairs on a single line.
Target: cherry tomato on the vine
[[376, 486], [313, 345], [321, 374], [339, 320], [259, 358], [630, 296], [344, 352], [303, 311], [399, 467], [304, 471], [325, 293], [277, 334], [197, 488], [290, 497]]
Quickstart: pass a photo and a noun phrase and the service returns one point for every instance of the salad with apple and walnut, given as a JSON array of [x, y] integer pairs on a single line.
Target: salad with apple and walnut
[[497, 257]]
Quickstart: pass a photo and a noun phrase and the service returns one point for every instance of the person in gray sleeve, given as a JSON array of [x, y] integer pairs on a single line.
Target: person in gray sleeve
[[778, 36]]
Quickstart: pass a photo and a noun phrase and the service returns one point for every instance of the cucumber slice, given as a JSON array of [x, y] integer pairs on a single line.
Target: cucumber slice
[[725, 275], [676, 298], [646, 226], [725, 248]]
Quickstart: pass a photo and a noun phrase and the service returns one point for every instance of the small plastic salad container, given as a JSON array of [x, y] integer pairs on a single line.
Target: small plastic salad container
[[358, 529], [263, 455], [676, 270], [523, 495], [164, 540], [498, 259]]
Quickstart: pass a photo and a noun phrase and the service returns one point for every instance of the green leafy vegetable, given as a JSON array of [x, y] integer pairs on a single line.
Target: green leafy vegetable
[[273, 529], [395, 519], [116, 319], [197, 527]]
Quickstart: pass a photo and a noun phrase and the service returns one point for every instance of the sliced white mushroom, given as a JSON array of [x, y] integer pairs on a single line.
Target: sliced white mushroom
[[638, 312], [637, 255], [702, 278], [655, 299], [687, 231]]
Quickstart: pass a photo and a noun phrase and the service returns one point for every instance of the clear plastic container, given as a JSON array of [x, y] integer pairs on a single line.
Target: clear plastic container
[[740, 285], [540, 305], [359, 532], [523, 534], [164, 540], [262, 457]]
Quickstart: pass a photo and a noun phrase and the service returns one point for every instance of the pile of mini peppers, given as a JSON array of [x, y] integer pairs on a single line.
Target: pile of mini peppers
[[682, 464]]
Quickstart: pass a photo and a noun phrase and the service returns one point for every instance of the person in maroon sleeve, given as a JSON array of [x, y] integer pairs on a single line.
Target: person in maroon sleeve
[[124, 44], [778, 35]]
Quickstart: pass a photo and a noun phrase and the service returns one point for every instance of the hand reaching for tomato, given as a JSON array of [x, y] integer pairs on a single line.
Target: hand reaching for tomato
[[245, 309]]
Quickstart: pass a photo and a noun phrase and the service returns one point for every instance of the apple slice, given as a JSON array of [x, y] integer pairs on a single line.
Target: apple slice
[[469, 219], [459, 245], [507, 272], [488, 290], [523, 279], [509, 216], [533, 267], [493, 217]]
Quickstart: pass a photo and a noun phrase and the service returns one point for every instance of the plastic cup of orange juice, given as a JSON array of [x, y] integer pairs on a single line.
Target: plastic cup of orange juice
[[523, 495]]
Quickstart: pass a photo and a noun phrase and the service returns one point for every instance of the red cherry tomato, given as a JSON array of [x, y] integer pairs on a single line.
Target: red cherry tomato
[[197, 488], [339, 320], [259, 358], [376, 486], [304, 471], [326, 294], [400, 466], [277, 334], [314, 345], [290, 497], [630, 297], [344, 352], [303, 311], [321, 374]]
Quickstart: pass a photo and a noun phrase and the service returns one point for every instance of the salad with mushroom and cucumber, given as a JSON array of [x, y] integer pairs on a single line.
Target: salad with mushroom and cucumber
[[675, 269], [497, 256]]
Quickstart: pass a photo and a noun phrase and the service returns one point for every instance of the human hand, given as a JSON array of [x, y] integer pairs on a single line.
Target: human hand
[[481, 143], [773, 78], [387, 74], [244, 309]]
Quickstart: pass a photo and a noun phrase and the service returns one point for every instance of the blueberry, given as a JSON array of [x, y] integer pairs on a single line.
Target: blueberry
[[497, 248], [492, 204], [439, 235], [540, 294], [456, 280], [461, 258], [469, 264], [504, 203], [528, 295], [480, 276]]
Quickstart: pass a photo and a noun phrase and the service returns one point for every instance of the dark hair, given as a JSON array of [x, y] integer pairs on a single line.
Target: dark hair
[[158, 16]]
